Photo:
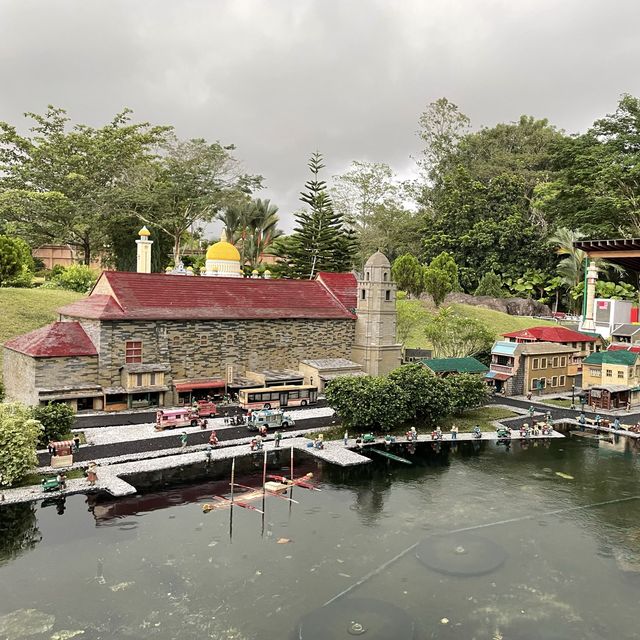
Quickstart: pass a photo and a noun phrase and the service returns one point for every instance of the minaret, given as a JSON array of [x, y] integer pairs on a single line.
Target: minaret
[[144, 251], [375, 346], [588, 318]]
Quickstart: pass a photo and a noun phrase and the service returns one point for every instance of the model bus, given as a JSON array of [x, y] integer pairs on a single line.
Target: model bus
[[285, 396]]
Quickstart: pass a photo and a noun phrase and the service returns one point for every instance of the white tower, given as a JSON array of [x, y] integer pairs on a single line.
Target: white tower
[[375, 347], [144, 251]]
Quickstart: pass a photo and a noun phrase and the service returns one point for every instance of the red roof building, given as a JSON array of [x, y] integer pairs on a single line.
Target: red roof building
[[154, 296], [550, 334], [60, 339]]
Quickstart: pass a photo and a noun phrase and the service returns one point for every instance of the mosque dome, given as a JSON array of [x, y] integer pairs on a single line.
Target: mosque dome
[[378, 259], [223, 251]]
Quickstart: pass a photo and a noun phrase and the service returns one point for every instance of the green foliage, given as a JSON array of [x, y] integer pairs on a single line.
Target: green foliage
[[467, 391], [16, 262], [61, 184], [408, 274], [490, 285], [75, 277], [441, 277], [1, 392], [320, 241], [612, 290], [428, 396], [368, 402], [18, 530], [57, 420], [453, 335], [410, 316], [19, 433]]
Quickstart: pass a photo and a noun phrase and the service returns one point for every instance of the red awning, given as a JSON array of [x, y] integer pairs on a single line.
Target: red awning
[[216, 383]]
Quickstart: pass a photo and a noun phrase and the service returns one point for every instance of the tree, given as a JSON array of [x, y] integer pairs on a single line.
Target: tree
[[490, 285], [408, 274], [320, 241], [455, 336], [441, 277], [19, 434], [62, 185], [57, 420], [442, 126], [428, 396], [467, 391], [410, 315], [186, 186], [15, 257]]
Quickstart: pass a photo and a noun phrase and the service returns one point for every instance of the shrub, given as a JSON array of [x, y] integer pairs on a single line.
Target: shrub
[[76, 277], [56, 419], [466, 391], [490, 285], [19, 433]]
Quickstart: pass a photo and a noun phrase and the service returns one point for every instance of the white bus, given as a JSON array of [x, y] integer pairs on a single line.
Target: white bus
[[271, 397]]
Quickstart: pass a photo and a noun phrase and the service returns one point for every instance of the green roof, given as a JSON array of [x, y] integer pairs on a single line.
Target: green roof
[[457, 365], [621, 356]]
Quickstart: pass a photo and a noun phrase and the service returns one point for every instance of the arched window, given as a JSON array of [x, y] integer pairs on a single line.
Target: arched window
[[364, 294], [366, 275], [384, 276]]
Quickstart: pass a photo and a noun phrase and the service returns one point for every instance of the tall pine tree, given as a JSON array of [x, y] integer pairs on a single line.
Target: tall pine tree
[[320, 241]]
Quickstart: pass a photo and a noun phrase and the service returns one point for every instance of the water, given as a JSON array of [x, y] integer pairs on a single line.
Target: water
[[156, 566]]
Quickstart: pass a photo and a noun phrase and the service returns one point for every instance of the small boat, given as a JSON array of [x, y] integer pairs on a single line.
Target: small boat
[[298, 482]]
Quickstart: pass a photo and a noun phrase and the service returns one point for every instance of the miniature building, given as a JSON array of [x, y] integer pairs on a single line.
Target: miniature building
[[612, 378], [223, 259], [626, 333], [539, 367], [414, 355], [375, 345], [446, 366], [583, 342], [149, 339], [321, 371]]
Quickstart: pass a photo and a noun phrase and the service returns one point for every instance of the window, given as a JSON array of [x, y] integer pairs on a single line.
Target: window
[[543, 363], [543, 383], [534, 384], [536, 364], [132, 352], [620, 374], [204, 340], [138, 379], [363, 295], [555, 363], [384, 276], [366, 275], [563, 361], [175, 341], [554, 381], [152, 379], [562, 381], [609, 373], [387, 294], [231, 339], [595, 372]]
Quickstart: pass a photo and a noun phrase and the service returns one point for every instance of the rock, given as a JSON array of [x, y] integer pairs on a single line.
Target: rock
[[512, 306], [66, 634], [283, 540], [25, 622]]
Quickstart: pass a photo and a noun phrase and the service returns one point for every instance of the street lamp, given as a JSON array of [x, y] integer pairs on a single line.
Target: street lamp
[[573, 397]]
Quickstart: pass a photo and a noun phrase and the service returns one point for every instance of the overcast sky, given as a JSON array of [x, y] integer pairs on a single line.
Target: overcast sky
[[282, 78]]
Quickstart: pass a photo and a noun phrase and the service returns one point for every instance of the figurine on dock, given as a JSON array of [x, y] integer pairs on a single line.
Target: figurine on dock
[[454, 432], [277, 436], [92, 473], [213, 439]]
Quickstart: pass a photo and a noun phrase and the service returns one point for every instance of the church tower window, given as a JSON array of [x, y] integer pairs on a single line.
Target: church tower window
[[387, 294], [364, 294]]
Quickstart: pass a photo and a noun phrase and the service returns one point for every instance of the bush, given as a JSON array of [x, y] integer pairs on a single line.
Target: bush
[[56, 418], [75, 277], [467, 391], [15, 259], [19, 433], [490, 285], [22, 280]]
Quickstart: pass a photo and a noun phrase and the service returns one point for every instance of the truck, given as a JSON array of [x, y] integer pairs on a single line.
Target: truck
[[205, 408], [269, 418], [185, 417]]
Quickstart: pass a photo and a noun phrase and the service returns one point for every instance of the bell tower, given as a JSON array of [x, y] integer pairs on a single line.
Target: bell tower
[[375, 346]]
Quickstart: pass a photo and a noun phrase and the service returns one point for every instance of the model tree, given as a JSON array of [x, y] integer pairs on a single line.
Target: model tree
[[18, 437]]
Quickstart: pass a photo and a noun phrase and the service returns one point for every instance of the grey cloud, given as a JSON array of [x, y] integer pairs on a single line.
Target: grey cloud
[[282, 78]]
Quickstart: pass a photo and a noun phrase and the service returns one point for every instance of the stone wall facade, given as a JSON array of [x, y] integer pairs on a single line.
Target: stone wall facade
[[19, 372], [56, 373], [203, 348]]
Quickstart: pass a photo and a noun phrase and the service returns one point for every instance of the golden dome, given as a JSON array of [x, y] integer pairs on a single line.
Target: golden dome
[[223, 251], [144, 232]]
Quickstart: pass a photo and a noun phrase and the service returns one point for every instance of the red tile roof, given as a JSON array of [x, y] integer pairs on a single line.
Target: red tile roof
[[156, 296], [623, 346], [344, 286], [55, 340], [550, 334]]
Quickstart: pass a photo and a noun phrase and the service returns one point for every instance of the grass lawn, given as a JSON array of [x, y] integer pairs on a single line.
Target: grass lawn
[[496, 321], [26, 309], [36, 478], [559, 402]]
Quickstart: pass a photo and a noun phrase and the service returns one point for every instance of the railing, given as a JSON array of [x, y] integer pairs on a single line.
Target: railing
[[500, 368]]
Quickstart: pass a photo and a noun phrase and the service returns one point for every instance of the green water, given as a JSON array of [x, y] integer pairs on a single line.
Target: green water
[[156, 566]]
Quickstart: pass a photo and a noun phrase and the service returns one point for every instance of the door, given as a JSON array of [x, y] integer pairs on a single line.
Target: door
[[284, 398]]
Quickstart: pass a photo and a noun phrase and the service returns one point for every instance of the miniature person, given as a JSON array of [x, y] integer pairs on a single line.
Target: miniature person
[[529, 394], [62, 480], [258, 439], [50, 447], [531, 411], [346, 438], [616, 424], [76, 442], [582, 420], [253, 444], [414, 433], [183, 440], [438, 433], [213, 439], [92, 475], [277, 437], [454, 432], [477, 432], [207, 453], [629, 404], [263, 431], [548, 416], [598, 419]]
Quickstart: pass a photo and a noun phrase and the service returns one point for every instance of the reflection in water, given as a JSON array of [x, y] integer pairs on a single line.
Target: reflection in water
[[18, 530]]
